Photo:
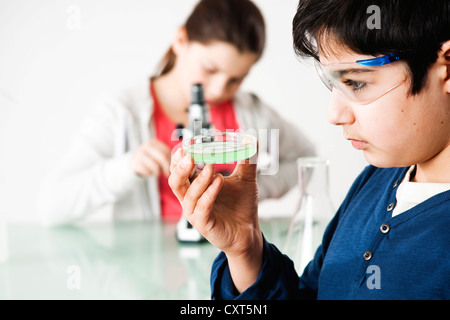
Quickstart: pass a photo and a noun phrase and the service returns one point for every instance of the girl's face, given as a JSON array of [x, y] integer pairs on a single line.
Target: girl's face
[[219, 66], [397, 129]]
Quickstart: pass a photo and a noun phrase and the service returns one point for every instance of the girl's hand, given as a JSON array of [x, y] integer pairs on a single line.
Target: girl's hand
[[152, 158], [224, 211]]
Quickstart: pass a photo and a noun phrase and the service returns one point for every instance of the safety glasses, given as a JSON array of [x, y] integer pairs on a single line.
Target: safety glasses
[[364, 81]]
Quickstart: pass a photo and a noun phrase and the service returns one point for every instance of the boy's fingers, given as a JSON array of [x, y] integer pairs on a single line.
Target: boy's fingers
[[246, 169], [176, 158], [206, 201], [179, 179], [197, 188]]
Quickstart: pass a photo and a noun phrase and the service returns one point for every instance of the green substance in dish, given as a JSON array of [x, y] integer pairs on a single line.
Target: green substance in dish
[[220, 152]]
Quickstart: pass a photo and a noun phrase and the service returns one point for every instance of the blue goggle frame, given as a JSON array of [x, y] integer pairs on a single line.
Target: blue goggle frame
[[383, 60]]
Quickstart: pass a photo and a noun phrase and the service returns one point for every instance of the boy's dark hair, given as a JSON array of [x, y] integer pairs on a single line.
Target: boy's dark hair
[[406, 25]]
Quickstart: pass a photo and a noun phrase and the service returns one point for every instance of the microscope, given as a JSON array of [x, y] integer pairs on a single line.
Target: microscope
[[199, 124]]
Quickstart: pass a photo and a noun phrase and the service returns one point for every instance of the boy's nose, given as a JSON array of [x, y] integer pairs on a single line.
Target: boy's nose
[[339, 110]]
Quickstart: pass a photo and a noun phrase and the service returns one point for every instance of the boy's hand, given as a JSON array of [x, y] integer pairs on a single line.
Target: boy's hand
[[224, 211]]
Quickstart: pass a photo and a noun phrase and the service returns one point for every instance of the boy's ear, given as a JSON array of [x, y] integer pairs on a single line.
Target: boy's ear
[[180, 41], [444, 57]]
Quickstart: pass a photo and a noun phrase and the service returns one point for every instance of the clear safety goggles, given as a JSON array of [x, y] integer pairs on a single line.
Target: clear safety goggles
[[363, 81]]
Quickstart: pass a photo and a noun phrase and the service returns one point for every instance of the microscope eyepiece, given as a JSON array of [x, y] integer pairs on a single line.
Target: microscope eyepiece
[[197, 94]]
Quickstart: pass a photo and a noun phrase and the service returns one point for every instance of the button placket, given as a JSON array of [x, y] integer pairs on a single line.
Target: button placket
[[385, 228], [391, 206], [367, 255], [395, 184]]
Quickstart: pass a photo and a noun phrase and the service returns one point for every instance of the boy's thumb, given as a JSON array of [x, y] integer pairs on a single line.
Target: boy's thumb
[[246, 169]]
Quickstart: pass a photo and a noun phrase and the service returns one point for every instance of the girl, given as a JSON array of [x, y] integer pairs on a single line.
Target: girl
[[120, 159]]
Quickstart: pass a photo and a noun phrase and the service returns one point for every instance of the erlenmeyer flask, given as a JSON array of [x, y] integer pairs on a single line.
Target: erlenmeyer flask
[[312, 214]]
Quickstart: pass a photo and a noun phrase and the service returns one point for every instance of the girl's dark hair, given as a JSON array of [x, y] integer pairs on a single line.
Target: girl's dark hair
[[237, 22], [405, 25]]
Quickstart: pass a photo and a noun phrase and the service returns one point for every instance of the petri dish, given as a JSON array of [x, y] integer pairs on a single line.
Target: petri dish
[[220, 147]]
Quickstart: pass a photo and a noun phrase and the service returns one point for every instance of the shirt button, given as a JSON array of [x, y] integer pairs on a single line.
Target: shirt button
[[385, 228], [367, 255], [395, 184], [390, 206]]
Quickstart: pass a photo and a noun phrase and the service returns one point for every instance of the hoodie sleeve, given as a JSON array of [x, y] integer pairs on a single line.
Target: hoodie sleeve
[[92, 173]]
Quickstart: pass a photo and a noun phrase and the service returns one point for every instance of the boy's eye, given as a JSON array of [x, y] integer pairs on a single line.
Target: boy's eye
[[354, 85]]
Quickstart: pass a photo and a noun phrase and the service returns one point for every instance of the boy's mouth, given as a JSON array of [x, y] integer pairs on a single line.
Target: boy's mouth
[[358, 144]]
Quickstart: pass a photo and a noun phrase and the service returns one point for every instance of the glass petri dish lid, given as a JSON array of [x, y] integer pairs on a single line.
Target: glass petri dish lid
[[220, 147]]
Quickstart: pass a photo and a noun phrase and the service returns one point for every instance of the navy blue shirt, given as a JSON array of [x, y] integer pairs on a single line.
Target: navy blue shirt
[[365, 252]]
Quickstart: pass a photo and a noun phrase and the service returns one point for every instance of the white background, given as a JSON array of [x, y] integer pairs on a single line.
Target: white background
[[53, 65]]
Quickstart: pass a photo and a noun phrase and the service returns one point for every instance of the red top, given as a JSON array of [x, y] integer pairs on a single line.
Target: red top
[[223, 118]]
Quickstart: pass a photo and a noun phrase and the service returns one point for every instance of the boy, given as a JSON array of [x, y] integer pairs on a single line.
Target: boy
[[391, 94]]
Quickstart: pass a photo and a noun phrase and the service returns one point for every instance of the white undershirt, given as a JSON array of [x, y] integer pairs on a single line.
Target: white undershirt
[[410, 194]]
